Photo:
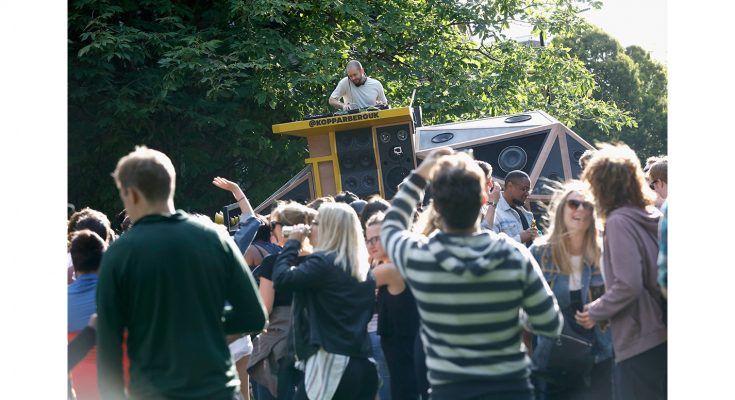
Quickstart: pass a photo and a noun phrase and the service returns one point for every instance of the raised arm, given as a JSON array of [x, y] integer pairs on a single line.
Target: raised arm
[[234, 188], [394, 233]]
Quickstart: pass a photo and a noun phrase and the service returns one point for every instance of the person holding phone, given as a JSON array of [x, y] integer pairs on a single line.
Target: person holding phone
[[569, 257]]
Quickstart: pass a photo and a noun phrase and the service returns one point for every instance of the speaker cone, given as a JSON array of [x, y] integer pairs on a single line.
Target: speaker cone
[[348, 163], [395, 177], [512, 158], [384, 137], [350, 184], [517, 118], [368, 183], [577, 155], [442, 137]]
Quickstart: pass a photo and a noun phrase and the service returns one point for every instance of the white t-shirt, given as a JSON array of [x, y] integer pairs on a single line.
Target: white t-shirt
[[575, 278], [365, 95]]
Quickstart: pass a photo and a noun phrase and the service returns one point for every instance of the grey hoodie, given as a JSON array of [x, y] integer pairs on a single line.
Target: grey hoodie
[[631, 299]]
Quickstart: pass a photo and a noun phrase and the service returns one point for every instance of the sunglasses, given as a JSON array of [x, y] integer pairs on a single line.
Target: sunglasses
[[574, 204], [372, 241], [652, 186]]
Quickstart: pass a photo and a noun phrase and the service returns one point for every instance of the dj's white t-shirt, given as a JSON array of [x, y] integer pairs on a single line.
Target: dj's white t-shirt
[[365, 95]]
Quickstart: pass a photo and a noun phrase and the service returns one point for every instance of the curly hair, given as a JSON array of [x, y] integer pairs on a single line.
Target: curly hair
[[615, 179], [88, 218]]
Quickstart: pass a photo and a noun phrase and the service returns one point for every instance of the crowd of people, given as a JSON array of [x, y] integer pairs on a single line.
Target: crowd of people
[[465, 296]]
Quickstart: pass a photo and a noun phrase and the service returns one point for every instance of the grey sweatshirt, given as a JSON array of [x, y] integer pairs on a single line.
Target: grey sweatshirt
[[630, 250]]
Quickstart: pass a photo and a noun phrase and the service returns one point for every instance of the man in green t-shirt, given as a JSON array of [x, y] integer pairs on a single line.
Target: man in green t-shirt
[[176, 286]]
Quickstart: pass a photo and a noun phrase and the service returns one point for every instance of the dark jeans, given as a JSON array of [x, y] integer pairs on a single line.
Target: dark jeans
[[599, 388], [419, 362], [382, 365], [359, 382], [260, 392], [398, 352], [643, 376], [514, 389]]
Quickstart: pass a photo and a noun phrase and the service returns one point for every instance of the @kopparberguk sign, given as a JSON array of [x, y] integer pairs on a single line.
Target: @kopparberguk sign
[[343, 118]]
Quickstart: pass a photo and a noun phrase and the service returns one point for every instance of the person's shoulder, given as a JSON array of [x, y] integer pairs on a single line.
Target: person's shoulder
[[343, 81], [375, 82]]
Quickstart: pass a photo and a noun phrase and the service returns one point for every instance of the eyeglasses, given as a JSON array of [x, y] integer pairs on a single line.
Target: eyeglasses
[[574, 204], [274, 224], [372, 241], [652, 184]]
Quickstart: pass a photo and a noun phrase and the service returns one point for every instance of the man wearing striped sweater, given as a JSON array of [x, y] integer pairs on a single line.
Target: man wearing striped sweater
[[473, 288]]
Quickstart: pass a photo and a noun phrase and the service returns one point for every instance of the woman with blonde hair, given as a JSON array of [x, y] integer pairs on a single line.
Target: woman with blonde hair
[[632, 299], [569, 257], [333, 302]]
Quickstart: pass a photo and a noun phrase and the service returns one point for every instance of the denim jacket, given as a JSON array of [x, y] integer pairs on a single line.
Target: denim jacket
[[507, 221], [559, 283]]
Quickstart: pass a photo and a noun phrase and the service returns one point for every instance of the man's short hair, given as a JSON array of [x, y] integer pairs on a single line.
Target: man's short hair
[[516, 176], [86, 251], [650, 161], [457, 189], [486, 168], [353, 64], [148, 170], [345, 197], [658, 171]]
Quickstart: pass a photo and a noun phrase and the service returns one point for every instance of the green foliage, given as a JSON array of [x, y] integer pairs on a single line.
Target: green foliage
[[203, 81], [630, 79]]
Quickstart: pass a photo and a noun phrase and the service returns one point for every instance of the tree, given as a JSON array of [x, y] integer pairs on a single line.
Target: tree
[[203, 81], [629, 78]]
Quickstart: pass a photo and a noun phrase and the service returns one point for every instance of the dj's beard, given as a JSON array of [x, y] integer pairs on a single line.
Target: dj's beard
[[361, 82]]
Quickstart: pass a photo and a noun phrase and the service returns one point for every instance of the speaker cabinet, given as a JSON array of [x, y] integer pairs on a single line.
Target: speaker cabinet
[[511, 154], [395, 150], [356, 157], [532, 142]]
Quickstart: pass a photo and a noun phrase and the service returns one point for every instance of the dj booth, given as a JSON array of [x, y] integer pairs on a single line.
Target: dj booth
[[367, 152]]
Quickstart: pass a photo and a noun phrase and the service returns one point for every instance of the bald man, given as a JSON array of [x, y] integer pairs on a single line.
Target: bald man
[[357, 90]]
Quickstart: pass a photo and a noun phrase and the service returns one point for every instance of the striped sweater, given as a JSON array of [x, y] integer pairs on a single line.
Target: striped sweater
[[471, 291]]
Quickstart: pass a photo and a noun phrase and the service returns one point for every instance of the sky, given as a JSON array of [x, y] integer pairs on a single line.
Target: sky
[[631, 22], [634, 22]]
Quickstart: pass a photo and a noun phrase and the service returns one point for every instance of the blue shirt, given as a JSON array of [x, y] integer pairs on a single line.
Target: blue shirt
[[82, 302]]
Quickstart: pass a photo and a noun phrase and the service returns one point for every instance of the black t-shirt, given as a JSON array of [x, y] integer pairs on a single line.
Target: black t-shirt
[[265, 270]]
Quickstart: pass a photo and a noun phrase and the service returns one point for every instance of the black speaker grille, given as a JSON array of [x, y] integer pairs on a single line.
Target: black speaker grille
[[531, 145], [576, 149], [553, 170], [358, 169], [396, 156]]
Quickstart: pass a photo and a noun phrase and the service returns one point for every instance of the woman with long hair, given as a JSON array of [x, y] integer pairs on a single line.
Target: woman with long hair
[[569, 257], [333, 302], [632, 299]]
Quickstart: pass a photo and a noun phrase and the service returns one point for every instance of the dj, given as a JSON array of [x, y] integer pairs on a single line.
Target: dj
[[357, 90]]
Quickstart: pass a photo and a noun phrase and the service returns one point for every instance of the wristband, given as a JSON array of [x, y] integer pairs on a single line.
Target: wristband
[[241, 199]]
